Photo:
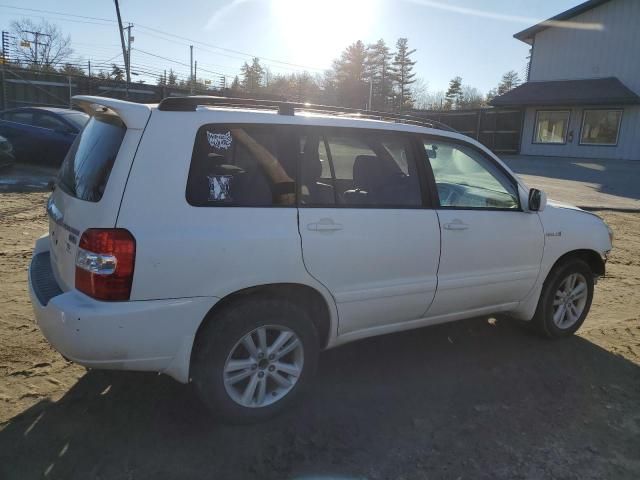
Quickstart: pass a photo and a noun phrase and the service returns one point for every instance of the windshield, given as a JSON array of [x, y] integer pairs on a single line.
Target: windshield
[[86, 168]]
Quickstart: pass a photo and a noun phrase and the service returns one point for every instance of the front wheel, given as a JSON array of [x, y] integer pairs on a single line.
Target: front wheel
[[254, 359], [565, 299]]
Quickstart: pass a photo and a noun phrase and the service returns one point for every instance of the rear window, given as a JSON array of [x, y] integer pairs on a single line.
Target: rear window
[[86, 168], [78, 119], [249, 166]]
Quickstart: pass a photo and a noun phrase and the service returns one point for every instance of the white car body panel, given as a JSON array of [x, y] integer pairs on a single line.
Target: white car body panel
[[381, 264], [69, 216], [386, 270], [494, 261], [566, 229]]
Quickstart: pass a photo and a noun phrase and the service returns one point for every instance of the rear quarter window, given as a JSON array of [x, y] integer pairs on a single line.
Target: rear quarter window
[[87, 166], [242, 165]]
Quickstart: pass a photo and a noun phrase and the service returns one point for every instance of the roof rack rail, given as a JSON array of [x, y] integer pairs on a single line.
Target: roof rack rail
[[191, 103]]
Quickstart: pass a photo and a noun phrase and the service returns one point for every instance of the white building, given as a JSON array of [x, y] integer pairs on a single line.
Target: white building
[[582, 95]]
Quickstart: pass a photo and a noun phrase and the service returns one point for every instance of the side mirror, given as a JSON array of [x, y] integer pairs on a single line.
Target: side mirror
[[537, 200]]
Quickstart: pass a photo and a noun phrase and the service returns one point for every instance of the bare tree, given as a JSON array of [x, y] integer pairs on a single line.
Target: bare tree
[[470, 98], [42, 45], [420, 93], [436, 100]]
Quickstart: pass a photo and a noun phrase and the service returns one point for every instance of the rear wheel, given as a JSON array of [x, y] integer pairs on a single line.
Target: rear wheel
[[254, 359], [565, 299]]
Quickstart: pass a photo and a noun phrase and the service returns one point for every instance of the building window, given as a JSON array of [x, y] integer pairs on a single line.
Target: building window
[[551, 126], [600, 127]]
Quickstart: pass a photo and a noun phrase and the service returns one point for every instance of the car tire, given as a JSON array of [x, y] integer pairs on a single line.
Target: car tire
[[243, 386], [565, 300]]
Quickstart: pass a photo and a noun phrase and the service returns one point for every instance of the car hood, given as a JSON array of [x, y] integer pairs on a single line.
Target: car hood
[[556, 204]]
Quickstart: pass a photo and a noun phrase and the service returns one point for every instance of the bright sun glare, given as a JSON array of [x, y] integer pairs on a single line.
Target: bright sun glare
[[319, 29]]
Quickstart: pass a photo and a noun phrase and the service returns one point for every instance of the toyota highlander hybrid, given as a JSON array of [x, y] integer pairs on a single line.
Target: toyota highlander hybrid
[[226, 242]]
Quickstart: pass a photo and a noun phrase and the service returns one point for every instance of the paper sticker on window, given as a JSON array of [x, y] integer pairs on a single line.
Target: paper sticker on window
[[220, 141], [219, 187]]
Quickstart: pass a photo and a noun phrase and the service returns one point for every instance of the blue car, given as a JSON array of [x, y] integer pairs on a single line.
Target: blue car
[[41, 135]]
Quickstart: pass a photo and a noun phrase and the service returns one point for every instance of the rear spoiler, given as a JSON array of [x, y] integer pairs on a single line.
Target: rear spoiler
[[134, 115]]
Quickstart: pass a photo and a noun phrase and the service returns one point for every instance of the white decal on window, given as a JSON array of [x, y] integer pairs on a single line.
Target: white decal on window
[[219, 140], [219, 187]]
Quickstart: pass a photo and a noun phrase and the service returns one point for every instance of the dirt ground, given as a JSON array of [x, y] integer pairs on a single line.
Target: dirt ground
[[472, 399]]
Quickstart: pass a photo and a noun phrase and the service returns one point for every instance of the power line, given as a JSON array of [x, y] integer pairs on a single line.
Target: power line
[[162, 32], [267, 59], [50, 12], [178, 62]]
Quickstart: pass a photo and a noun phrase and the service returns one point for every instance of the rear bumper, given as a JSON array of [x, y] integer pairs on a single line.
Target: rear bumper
[[153, 335]]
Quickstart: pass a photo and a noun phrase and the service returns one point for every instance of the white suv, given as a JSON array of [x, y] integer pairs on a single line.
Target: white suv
[[227, 242]]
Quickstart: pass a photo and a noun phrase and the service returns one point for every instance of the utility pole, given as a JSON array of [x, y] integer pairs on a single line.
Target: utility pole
[[36, 36], [124, 49], [129, 40], [191, 66], [195, 73]]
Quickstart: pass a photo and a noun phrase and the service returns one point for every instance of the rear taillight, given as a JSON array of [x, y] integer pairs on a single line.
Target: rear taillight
[[104, 263]]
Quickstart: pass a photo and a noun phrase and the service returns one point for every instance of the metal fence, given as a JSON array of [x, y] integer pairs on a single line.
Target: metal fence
[[499, 129], [23, 87]]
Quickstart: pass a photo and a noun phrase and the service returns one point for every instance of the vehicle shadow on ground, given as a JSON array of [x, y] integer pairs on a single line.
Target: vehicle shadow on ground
[[614, 177], [465, 400]]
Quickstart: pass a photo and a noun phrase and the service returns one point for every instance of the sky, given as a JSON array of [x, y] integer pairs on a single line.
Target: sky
[[468, 38]]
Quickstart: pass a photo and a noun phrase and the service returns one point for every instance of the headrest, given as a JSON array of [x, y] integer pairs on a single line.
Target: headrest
[[368, 172]]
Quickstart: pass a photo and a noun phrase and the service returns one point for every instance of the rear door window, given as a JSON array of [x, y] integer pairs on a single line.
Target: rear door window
[[87, 166], [243, 166], [47, 120], [363, 169], [23, 117]]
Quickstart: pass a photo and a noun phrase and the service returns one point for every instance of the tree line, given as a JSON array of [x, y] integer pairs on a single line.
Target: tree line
[[364, 76], [369, 77], [372, 76]]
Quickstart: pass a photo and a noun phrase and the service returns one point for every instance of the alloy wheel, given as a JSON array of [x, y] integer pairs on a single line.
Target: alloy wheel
[[570, 300], [263, 366]]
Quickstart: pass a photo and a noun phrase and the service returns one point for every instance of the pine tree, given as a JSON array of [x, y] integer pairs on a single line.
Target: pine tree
[[510, 80], [172, 79], [235, 85], [252, 75], [378, 71], [117, 73], [403, 72], [454, 93], [350, 76]]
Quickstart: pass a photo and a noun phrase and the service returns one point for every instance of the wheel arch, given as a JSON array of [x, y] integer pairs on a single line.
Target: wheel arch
[[302, 295], [527, 308], [590, 257]]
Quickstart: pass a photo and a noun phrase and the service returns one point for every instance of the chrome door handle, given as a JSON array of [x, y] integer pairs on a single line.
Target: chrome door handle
[[456, 226], [324, 227]]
